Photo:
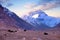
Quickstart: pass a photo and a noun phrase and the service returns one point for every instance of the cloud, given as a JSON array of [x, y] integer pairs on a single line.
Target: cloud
[[44, 5], [3, 1], [29, 5], [6, 3], [48, 5]]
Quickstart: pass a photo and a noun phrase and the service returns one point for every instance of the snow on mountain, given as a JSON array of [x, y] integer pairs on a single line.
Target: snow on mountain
[[11, 19], [36, 20], [38, 17]]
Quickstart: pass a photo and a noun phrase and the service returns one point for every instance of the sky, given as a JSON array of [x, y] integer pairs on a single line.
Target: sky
[[23, 7]]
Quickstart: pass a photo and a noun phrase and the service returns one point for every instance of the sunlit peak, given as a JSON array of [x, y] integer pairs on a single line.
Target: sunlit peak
[[35, 16]]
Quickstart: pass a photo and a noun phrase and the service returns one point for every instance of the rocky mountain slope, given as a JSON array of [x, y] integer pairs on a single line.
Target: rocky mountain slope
[[11, 19], [39, 17]]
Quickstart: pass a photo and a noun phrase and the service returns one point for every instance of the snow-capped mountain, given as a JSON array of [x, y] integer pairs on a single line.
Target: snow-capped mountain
[[39, 17], [11, 19], [33, 23]]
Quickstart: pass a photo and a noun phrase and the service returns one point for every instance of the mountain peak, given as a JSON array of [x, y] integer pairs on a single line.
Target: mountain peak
[[37, 12], [41, 17]]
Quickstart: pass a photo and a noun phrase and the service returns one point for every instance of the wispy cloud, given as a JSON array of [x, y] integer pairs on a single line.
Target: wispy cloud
[[6, 3], [48, 5], [44, 5]]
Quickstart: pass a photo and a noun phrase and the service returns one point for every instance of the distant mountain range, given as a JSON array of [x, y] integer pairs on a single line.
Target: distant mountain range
[[39, 17], [10, 19]]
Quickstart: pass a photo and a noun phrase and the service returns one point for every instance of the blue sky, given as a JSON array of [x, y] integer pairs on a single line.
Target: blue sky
[[23, 7]]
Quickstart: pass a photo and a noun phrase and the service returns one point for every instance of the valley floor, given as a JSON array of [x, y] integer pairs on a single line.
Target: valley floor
[[9, 34]]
